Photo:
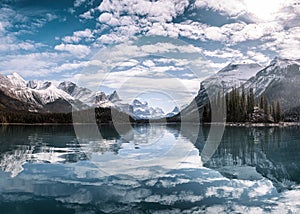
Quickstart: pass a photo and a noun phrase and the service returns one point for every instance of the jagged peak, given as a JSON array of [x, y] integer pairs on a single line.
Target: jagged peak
[[66, 83], [137, 101], [16, 79], [18, 76], [114, 96], [176, 109]]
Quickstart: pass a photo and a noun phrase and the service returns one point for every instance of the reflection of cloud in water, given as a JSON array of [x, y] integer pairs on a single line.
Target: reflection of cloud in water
[[172, 179]]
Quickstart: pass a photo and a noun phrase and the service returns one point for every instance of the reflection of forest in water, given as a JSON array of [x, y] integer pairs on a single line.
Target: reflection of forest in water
[[272, 151]]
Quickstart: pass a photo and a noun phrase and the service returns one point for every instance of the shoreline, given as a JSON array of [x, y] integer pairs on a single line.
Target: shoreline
[[281, 124]]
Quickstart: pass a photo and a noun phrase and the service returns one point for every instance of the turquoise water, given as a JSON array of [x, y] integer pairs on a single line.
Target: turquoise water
[[148, 169]]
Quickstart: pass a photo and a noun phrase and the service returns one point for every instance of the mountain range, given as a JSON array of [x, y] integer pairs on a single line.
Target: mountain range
[[43, 96], [279, 80]]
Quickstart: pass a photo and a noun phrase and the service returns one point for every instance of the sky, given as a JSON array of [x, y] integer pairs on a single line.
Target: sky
[[135, 46]]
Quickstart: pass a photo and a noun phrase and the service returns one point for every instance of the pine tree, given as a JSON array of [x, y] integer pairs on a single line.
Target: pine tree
[[266, 108], [273, 111], [243, 105], [278, 114], [261, 102]]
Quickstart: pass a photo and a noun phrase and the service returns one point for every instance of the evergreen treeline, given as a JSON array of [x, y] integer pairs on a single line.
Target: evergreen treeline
[[29, 117], [100, 115], [242, 107]]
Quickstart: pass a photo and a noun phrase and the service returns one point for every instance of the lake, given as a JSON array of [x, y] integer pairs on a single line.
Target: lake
[[148, 169]]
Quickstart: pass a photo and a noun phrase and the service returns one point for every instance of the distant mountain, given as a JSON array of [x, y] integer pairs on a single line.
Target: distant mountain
[[174, 112], [87, 96], [44, 96], [141, 110], [83, 94], [114, 97], [38, 96]]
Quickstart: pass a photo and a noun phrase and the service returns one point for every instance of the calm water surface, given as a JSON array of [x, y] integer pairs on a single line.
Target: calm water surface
[[149, 169]]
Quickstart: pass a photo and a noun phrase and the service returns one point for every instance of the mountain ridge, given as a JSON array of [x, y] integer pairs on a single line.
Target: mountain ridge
[[280, 79]]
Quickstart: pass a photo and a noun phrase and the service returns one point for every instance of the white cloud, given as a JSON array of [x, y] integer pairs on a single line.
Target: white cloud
[[86, 15], [230, 7], [32, 64], [79, 51], [109, 19], [71, 66], [226, 53], [78, 3], [258, 57], [112, 38], [125, 17], [285, 43], [256, 31], [256, 10], [78, 36], [156, 11]]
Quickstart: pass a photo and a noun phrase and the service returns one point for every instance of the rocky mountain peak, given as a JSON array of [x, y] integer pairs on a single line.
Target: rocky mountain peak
[[16, 80], [114, 97]]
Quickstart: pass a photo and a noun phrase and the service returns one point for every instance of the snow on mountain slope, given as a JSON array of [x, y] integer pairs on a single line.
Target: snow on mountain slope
[[141, 110], [173, 112], [83, 94], [279, 80], [87, 96], [49, 93], [40, 92], [277, 70], [233, 75], [16, 80], [37, 94]]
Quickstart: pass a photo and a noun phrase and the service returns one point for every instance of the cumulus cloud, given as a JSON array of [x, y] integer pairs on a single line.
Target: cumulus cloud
[[154, 10], [79, 51], [284, 43], [32, 64], [86, 15], [226, 53], [78, 36], [230, 7], [109, 19], [258, 57]]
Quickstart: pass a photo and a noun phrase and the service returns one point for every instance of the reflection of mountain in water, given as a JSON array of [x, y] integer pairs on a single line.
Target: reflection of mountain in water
[[50, 144], [60, 174], [248, 153], [58, 144]]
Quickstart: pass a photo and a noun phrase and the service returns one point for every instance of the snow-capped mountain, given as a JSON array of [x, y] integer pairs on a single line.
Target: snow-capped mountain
[[38, 95], [141, 110], [114, 97], [174, 112], [16, 80], [44, 96], [279, 80], [87, 96], [83, 94], [233, 75]]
